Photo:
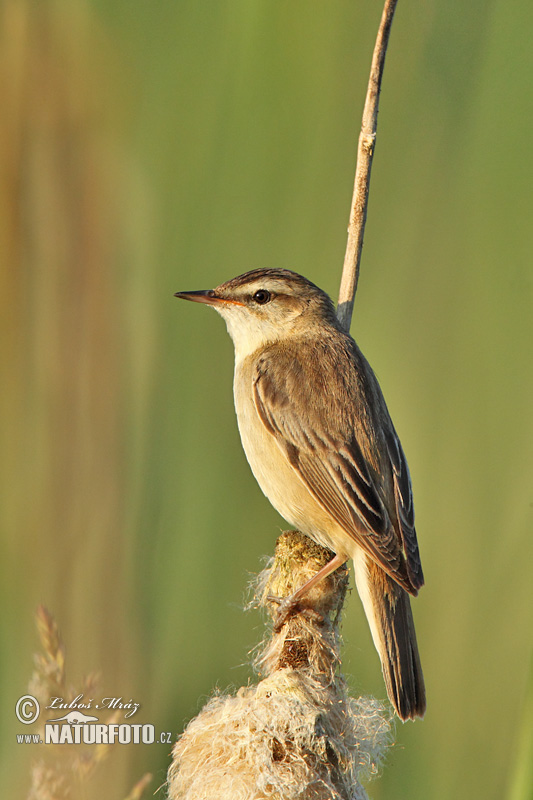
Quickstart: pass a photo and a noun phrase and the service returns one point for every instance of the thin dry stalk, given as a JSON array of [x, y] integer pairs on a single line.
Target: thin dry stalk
[[365, 154]]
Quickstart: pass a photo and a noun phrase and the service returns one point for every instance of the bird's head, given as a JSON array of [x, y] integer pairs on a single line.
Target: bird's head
[[267, 305]]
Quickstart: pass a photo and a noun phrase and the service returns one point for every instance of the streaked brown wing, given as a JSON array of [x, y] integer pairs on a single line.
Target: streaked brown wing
[[403, 496], [324, 448], [380, 541]]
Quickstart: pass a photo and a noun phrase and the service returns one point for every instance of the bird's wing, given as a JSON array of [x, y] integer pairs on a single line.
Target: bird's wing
[[324, 447], [405, 512]]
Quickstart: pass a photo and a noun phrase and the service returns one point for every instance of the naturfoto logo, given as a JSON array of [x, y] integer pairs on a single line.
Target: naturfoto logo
[[78, 727]]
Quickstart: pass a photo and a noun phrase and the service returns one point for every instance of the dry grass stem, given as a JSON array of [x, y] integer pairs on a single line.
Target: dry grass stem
[[365, 154]]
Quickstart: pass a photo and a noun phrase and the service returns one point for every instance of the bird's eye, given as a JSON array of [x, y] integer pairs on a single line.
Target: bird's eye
[[262, 296]]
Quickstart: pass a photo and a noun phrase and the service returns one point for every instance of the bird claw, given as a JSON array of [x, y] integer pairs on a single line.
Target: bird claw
[[287, 608], [290, 607]]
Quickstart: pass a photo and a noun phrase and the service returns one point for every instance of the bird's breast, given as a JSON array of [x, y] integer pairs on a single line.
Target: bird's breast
[[277, 478]]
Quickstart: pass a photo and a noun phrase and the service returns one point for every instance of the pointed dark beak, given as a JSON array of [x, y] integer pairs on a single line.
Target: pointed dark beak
[[204, 296], [207, 296]]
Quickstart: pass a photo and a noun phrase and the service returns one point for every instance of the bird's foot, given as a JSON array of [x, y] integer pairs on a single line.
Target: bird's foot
[[290, 607]]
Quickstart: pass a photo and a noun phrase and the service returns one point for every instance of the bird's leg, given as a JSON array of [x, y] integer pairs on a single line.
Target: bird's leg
[[288, 606]]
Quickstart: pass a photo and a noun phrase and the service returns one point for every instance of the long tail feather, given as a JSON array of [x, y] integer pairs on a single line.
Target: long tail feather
[[388, 609]]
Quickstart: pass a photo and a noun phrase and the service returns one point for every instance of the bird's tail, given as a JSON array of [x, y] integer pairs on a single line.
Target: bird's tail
[[388, 610]]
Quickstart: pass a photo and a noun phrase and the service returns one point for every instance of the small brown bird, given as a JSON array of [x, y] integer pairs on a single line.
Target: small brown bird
[[319, 439]]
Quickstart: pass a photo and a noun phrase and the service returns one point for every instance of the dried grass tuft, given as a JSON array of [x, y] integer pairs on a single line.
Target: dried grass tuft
[[65, 771], [297, 733]]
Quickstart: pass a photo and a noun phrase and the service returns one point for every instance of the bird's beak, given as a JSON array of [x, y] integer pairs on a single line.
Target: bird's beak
[[204, 296], [207, 296]]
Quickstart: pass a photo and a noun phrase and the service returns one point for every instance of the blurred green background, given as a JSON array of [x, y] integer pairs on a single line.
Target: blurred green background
[[150, 147]]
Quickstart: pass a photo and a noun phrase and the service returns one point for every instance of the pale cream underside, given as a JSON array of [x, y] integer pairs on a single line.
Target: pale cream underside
[[360, 560], [278, 480]]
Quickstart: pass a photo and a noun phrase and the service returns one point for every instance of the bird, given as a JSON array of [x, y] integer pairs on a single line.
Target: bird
[[319, 439]]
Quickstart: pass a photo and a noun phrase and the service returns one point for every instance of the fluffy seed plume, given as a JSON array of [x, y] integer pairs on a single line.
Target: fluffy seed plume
[[297, 734]]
